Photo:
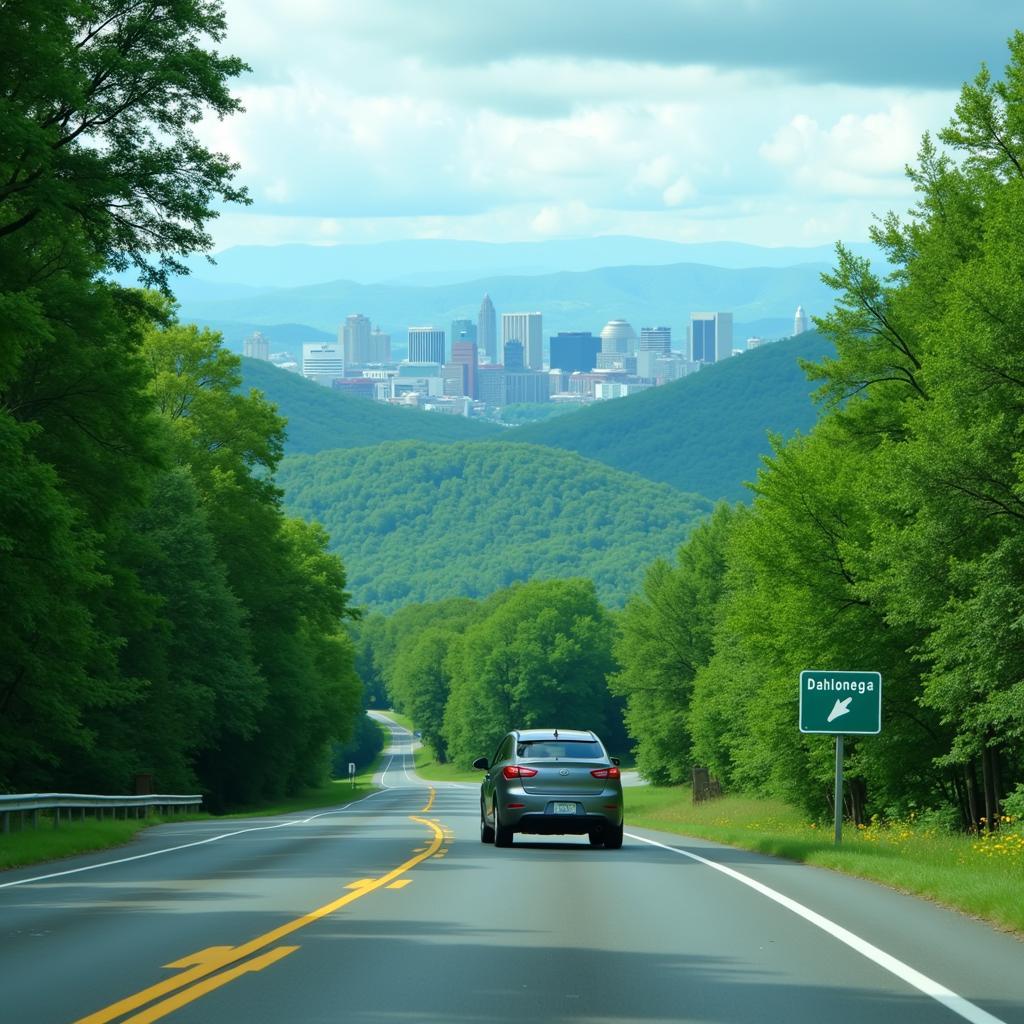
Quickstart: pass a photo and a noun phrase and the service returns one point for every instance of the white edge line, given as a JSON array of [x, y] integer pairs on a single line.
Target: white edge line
[[184, 846], [960, 1006]]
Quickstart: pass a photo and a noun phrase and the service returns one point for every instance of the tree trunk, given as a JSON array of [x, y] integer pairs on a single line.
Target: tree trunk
[[961, 800], [972, 793], [989, 788]]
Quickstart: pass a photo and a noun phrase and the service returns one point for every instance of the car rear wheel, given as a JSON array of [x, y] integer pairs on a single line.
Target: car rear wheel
[[486, 832], [502, 833], [613, 838]]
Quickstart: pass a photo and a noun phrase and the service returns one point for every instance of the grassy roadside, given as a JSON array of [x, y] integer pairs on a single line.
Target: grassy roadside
[[983, 876], [35, 846]]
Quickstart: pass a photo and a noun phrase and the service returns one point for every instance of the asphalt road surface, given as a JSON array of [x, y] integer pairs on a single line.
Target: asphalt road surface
[[391, 911]]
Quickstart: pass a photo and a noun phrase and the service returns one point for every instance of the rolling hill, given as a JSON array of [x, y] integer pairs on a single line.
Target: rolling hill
[[704, 434], [319, 418], [419, 522]]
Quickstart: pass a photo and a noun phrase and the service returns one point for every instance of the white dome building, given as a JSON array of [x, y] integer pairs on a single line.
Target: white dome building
[[618, 336]]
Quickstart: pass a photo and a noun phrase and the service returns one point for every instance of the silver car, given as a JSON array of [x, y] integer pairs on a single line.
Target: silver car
[[551, 782]]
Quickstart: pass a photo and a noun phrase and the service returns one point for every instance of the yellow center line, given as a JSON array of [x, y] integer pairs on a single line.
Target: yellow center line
[[210, 960], [430, 802]]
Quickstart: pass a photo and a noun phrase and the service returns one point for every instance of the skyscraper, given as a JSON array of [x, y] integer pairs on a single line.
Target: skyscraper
[[323, 363], [465, 352], [380, 347], [710, 337], [656, 339], [426, 345], [355, 339], [513, 351], [799, 321], [463, 329], [527, 329], [257, 346], [487, 330], [574, 351], [618, 336]]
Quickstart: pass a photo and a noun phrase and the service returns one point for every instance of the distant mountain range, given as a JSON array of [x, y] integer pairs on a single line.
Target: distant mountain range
[[759, 298], [428, 261]]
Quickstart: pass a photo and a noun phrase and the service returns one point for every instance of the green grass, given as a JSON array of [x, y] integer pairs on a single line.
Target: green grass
[[983, 876], [428, 768]]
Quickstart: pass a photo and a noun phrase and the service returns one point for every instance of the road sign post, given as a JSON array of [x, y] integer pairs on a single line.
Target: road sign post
[[352, 773], [838, 703]]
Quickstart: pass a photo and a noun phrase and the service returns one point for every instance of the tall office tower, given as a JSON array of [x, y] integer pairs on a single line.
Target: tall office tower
[[487, 330], [799, 321], [463, 329], [710, 337], [466, 352], [656, 339], [355, 339], [526, 328], [380, 346], [618, 336], [574, 351], [426, 345], [491, 384], [257, 346], [323, 363], [513, 355]]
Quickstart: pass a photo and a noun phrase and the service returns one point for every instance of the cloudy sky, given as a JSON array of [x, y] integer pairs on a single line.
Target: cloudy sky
[[776, 122]]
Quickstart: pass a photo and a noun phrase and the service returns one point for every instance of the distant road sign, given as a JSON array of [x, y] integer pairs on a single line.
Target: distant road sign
[[841, 703]]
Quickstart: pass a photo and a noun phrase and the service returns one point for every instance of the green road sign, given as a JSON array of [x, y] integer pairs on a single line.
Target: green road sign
[[841, 703]]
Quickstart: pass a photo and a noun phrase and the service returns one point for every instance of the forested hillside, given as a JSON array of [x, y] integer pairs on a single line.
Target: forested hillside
[[706, 433], [419, 522], [320, 418]]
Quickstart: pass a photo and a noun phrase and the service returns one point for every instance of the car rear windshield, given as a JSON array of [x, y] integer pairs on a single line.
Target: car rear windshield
[[560, 748]]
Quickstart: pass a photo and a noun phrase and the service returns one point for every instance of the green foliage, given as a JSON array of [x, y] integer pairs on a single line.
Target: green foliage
[[705, 433], [892, 536], [665, 636], [421, 522], [100, 144], [539, 659], [320, 418]]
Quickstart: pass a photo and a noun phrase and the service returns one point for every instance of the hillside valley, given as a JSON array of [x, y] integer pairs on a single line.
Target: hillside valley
[[418, 522]]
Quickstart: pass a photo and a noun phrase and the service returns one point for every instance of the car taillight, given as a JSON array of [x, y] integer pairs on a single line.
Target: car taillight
[[517, 771], [606, 773]]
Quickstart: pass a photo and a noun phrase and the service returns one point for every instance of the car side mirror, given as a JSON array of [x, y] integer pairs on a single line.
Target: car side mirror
[[481, 763], [615, 760]]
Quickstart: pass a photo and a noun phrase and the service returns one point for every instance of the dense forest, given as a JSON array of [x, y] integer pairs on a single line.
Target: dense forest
[[890, 537], [706, 433], [159, 614], [420, 522], [320, 419]]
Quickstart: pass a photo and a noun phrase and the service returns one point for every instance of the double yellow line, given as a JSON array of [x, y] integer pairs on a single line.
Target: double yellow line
[[199, 970]]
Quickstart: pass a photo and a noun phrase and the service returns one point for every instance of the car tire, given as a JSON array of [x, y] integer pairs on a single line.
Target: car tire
[[596, 838], [613, 838], [486, 831], [502, 833]]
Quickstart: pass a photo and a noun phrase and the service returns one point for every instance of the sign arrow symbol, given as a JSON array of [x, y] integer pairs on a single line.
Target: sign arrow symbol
[[842, 707]]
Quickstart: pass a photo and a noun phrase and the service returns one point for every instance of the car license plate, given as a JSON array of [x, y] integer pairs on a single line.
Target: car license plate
[[561, 808]]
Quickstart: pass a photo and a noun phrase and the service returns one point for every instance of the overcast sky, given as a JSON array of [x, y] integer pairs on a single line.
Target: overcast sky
[[774, 122]]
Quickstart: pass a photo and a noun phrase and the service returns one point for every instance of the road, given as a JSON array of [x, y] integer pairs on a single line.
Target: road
[[391, 911]]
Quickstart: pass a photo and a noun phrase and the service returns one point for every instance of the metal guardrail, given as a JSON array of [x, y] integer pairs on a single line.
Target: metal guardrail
[[56, 803]]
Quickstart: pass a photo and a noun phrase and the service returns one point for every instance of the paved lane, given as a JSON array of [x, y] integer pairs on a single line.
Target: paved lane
[[391, 911]]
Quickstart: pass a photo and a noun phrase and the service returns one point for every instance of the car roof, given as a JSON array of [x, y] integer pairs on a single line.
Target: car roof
[[549, 734]]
